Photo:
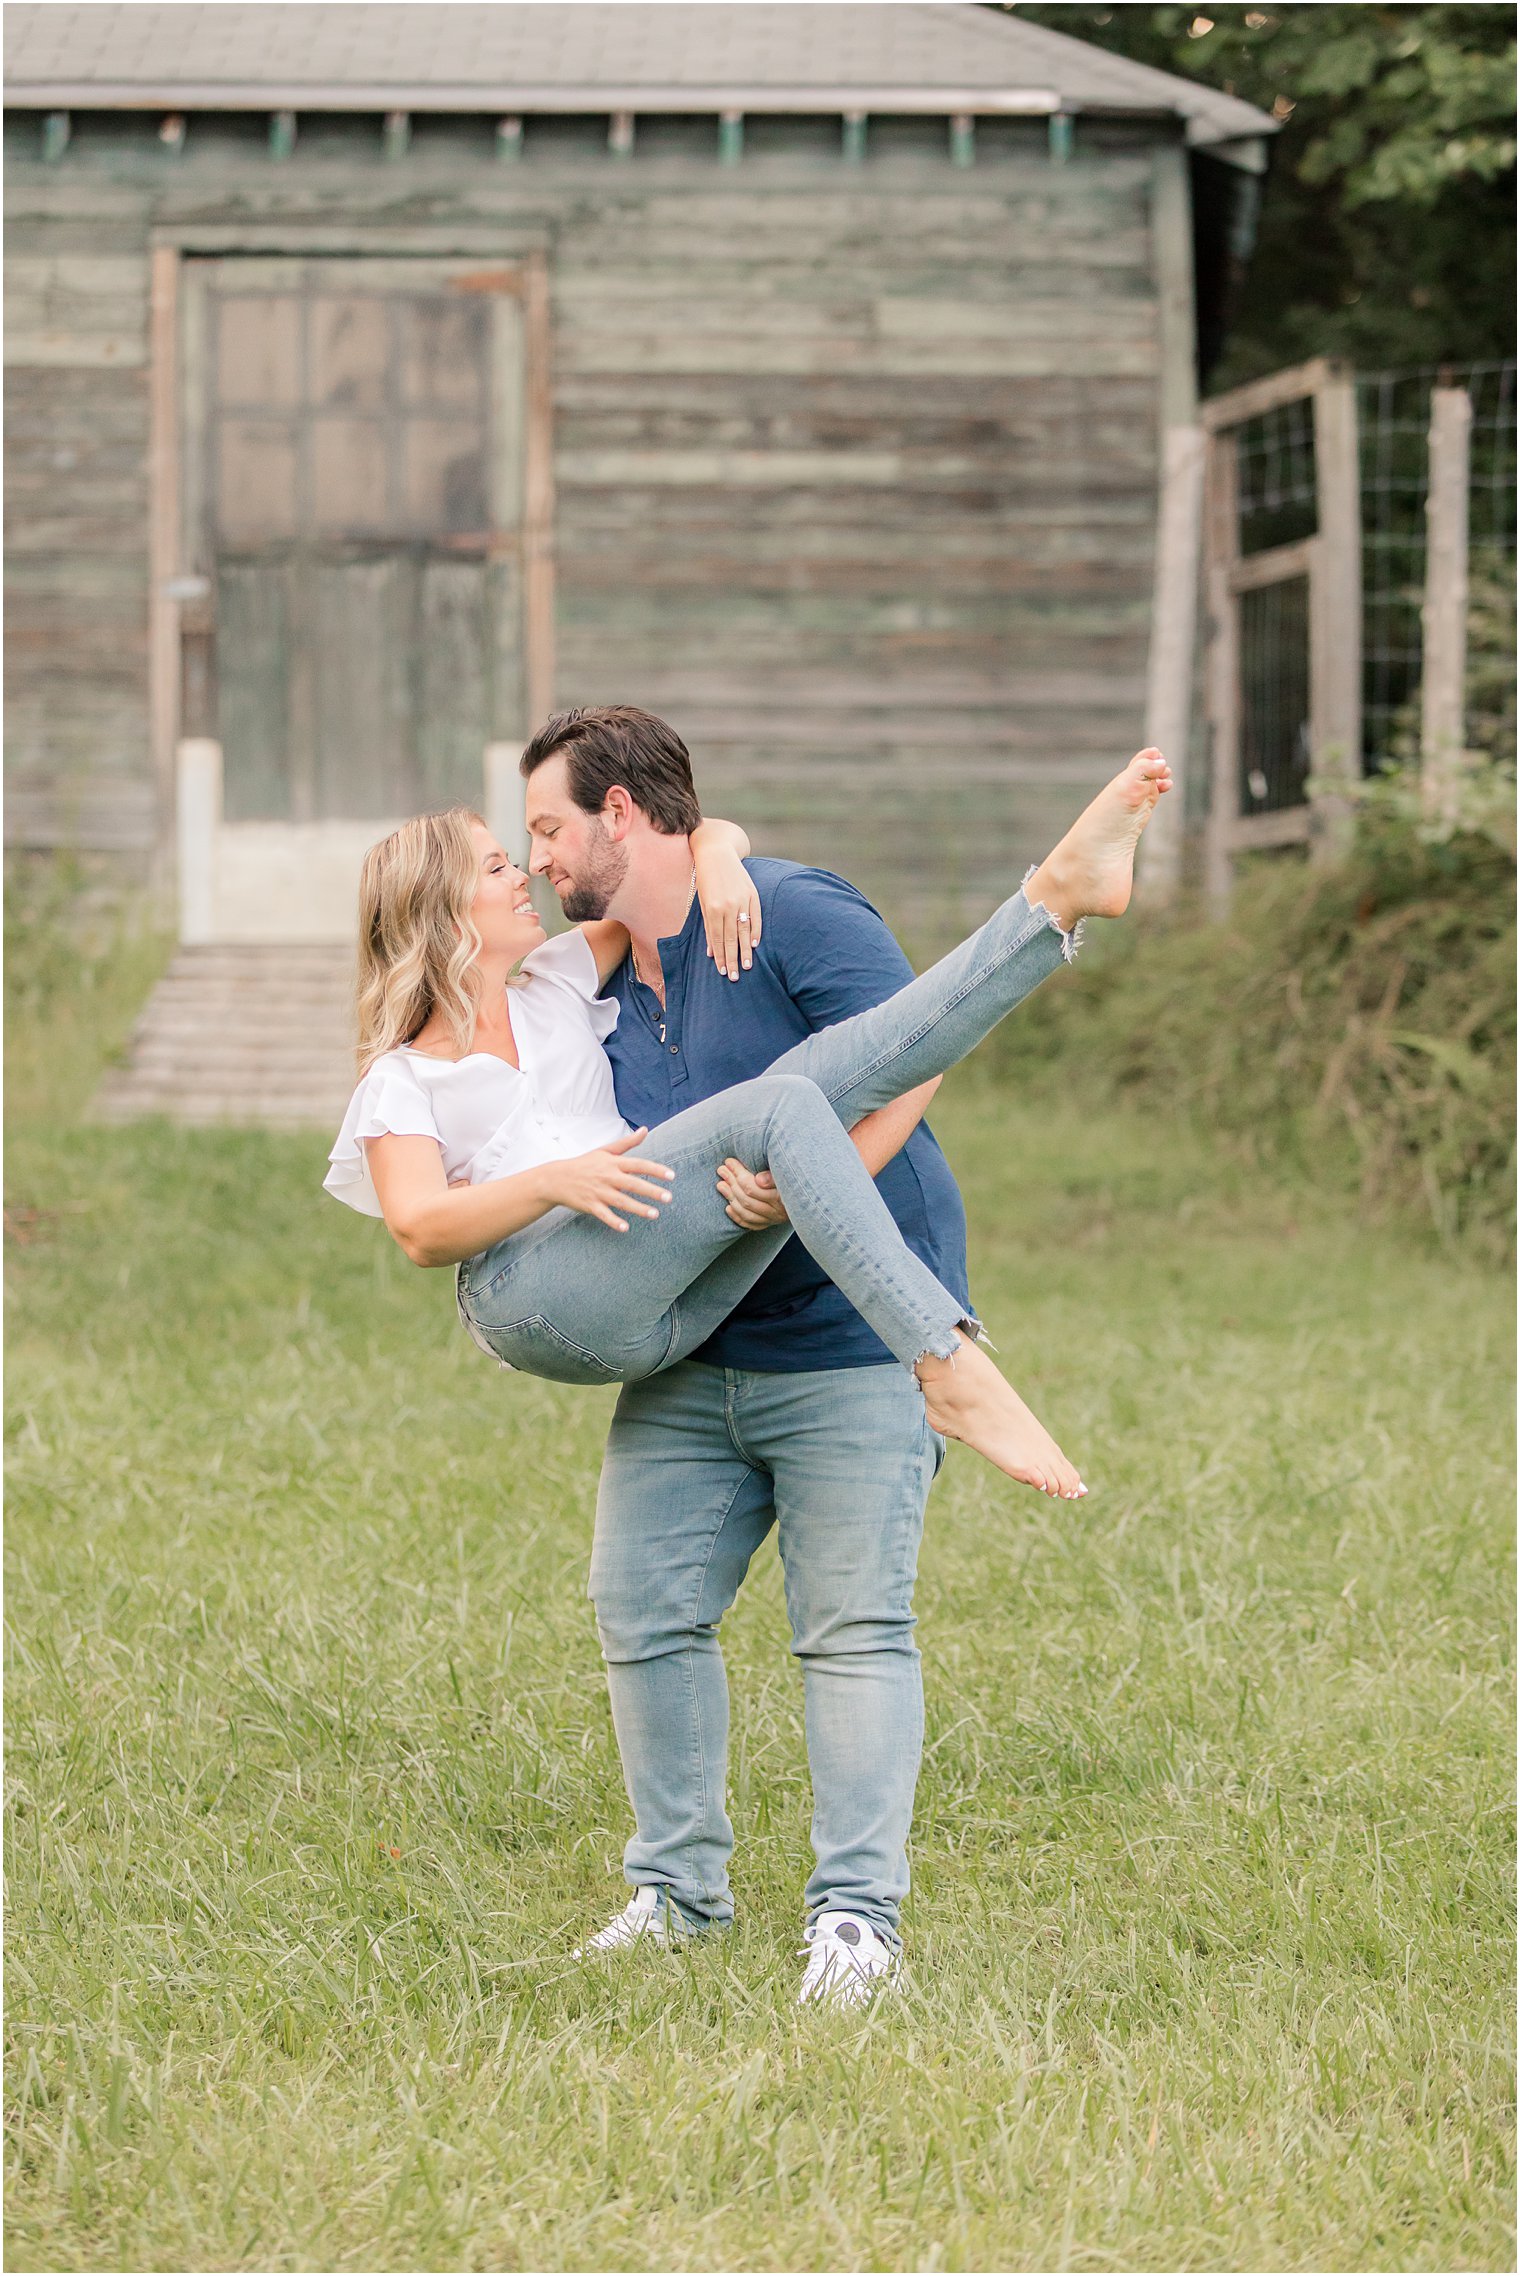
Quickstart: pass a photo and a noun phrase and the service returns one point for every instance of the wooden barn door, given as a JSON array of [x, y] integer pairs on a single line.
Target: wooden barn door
[[353, 624]]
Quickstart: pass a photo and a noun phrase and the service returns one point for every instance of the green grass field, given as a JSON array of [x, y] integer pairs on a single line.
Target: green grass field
[[313, 1787]]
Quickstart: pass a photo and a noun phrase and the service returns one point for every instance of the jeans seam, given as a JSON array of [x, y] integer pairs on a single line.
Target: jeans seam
[[556, 1339], [905, 1042], [876, 1264], [732, 1434], [687, 1668], [839, 1858]]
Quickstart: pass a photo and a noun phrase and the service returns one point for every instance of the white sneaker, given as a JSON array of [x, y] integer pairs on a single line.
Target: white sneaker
[[645, 1914], [848, 1963]]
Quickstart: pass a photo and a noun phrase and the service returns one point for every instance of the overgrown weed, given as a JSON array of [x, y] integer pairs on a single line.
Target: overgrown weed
[[81, 955], [1354, 1026]]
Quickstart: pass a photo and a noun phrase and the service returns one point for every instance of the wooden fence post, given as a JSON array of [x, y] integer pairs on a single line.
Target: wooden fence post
[[1169, 679], [1222, 683], [1335, 618], [1443, 619], [163, 548]]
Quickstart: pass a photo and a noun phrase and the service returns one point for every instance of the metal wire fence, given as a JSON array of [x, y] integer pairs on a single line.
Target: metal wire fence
[[1394, 420], [1275, 471], [1274, 690], [1275, 474], [1278, 505]]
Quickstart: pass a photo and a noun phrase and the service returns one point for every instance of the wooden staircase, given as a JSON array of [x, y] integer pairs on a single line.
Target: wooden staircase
[[260, 1038]]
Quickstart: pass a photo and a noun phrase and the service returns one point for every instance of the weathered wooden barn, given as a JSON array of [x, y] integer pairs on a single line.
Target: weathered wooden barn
[[381, 377]]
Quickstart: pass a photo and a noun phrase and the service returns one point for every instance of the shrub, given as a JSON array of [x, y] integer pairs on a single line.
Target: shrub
[[81, 955], [1356, 1025]]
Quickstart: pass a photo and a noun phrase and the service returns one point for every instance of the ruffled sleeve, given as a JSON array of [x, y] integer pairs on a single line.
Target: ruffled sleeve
[[389, 1102], [567, 963]]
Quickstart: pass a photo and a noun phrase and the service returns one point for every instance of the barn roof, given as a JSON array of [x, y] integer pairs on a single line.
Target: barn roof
[[934, 56]]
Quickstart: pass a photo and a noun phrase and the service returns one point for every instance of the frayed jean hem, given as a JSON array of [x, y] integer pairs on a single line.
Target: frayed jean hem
[[1070, 941]]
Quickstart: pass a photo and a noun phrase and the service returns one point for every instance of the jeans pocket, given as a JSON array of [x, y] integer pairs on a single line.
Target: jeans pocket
[[536, 1347]]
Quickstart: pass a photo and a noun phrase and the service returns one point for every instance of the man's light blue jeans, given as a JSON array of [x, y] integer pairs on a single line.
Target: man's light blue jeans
[[700, 1463]]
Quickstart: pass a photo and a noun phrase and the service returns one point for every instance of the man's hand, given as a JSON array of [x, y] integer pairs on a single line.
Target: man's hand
[[750, 1197]]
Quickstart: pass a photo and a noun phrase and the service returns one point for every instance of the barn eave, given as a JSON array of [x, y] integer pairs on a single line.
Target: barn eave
[[1245, 151]]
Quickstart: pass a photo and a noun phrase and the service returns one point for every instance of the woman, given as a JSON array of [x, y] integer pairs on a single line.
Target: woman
[[486, 1133]]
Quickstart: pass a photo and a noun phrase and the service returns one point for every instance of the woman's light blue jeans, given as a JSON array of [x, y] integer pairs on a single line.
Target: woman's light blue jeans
[[572, 1299]]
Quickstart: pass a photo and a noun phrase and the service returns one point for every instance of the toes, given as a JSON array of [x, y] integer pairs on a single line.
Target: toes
[[1060, 1472], [1151, 772]]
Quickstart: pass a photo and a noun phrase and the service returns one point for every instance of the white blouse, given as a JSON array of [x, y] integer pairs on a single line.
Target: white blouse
[[491, 1119]]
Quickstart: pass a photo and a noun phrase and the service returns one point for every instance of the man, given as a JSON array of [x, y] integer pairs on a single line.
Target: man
[[792, 1415]]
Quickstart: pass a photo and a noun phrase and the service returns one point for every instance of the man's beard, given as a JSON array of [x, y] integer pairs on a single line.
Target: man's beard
[[602, 872]]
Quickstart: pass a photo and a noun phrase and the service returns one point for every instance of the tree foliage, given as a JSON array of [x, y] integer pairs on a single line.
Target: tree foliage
[[1387, 226]]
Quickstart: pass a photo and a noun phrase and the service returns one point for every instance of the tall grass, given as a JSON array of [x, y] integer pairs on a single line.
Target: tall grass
[[80, 958], [313, 1787], [1353, 1027]]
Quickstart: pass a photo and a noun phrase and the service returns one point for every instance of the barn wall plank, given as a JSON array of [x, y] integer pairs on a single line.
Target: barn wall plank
[[854, 477], [76, 595], [76, 310]]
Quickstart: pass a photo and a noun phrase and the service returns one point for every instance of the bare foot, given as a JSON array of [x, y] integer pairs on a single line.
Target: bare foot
[[967, 1398], [1092, 870]]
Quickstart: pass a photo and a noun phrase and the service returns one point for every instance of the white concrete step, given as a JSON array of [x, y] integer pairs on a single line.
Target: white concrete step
[[258, 1038]]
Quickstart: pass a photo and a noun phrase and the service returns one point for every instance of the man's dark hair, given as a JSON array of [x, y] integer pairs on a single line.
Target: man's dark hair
[[617, 743]]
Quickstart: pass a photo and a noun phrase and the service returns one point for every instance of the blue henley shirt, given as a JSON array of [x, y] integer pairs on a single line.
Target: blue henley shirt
[[824, 954]]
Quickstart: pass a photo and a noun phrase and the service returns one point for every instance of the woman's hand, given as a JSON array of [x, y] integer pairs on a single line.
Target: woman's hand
[[750, 1197], [730, 904], [599, 1184]]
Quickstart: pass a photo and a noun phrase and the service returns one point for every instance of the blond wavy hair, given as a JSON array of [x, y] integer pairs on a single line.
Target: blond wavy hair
[[417, 941]]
